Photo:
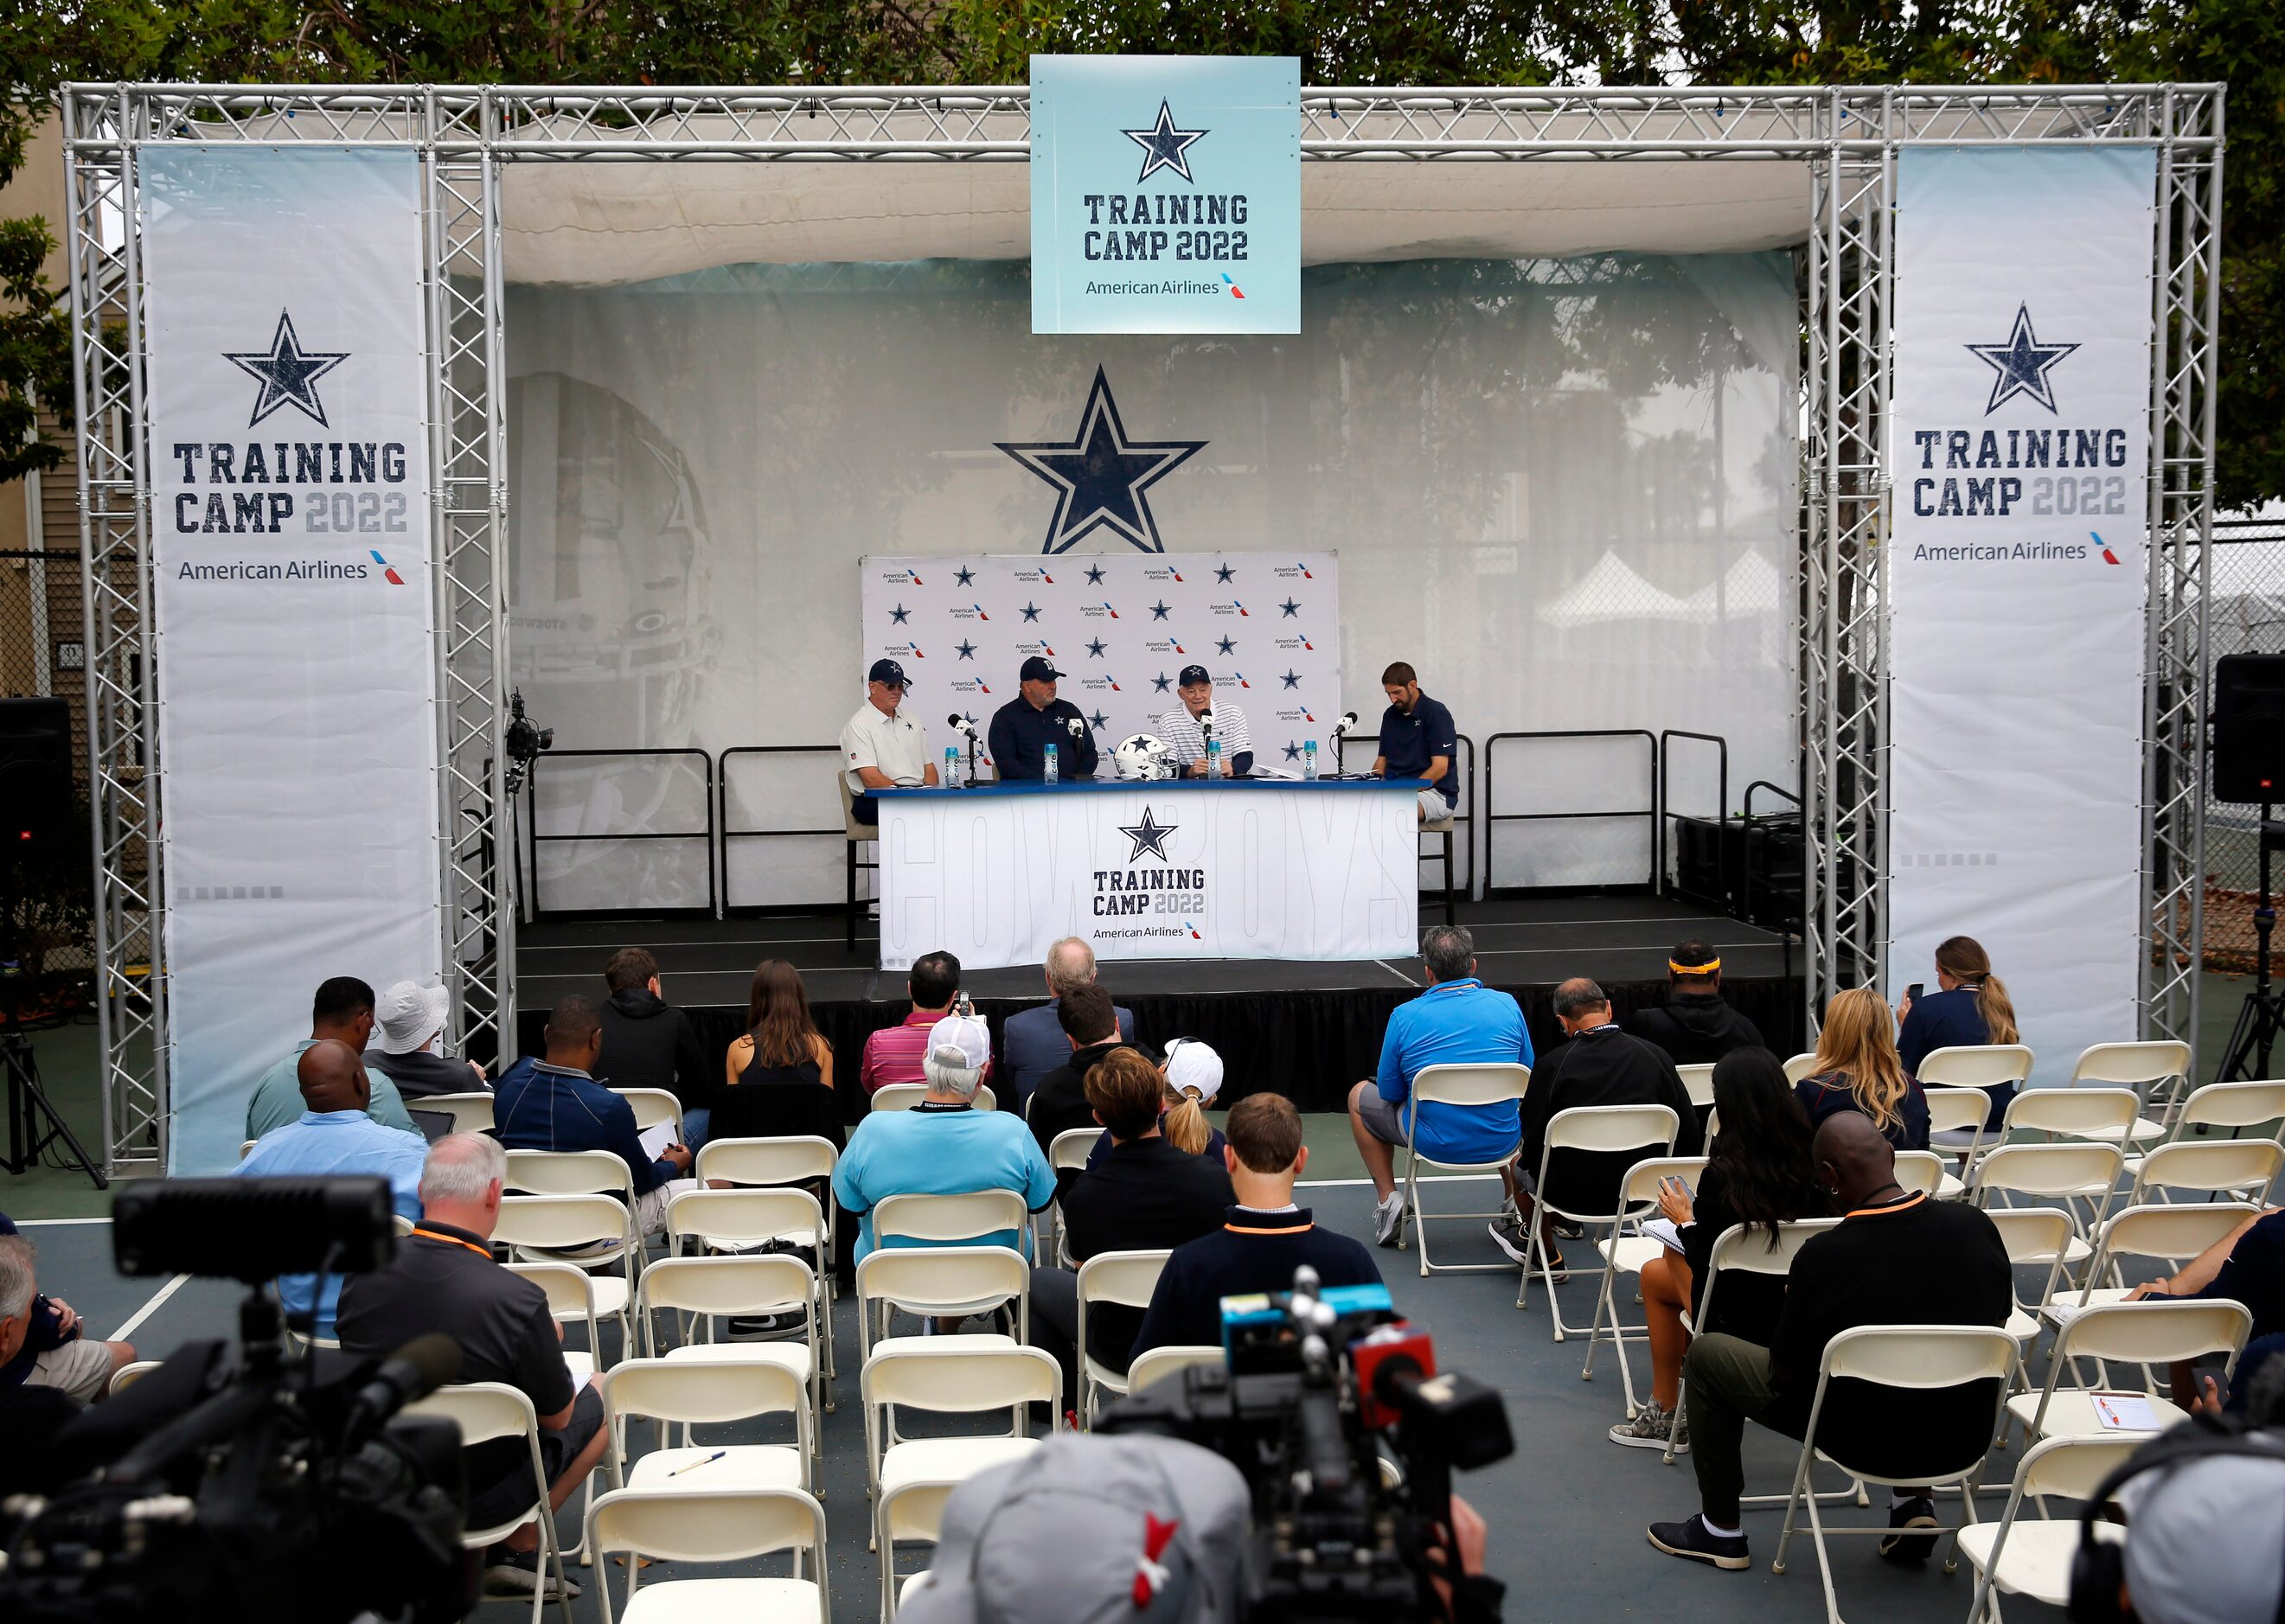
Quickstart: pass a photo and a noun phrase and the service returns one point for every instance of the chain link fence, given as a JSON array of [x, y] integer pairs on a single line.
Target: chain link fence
[[2245, 614], [43, 654]]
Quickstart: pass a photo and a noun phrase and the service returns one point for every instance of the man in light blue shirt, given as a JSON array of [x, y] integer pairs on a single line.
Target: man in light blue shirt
[[343, 1012], [1458, 1020], [334, 1136]]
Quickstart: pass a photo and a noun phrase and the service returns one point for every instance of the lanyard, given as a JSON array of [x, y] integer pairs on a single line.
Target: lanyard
[[453, 1240]]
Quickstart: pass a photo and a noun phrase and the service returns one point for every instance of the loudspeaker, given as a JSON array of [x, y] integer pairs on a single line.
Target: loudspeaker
[[2248, 727], [35, 779]]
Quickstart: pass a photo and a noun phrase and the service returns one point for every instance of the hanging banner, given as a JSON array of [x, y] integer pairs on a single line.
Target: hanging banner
[[2018, 578], [1165, 194], [295, 668]]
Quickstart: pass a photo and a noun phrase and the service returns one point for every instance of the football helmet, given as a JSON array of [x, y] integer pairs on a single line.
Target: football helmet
[[1141, 756]]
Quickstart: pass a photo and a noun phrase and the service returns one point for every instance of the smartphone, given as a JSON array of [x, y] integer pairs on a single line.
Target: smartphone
[[1913, 993], [965, 1009]]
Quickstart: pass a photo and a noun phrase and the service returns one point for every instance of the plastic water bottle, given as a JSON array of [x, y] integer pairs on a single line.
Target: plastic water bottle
[[952, 766], [1213, 758], [1309, 760], [1048, 772]]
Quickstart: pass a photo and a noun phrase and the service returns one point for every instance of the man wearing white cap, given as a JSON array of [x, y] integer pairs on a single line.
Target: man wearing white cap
[[943, 1146], [407, 1020]]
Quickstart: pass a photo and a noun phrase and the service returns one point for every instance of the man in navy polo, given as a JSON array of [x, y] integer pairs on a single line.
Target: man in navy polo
[[1418, 739], [1023, 727]]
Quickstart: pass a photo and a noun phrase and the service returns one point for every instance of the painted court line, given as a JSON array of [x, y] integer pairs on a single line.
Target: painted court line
[[27, 1223], [158, 1300]]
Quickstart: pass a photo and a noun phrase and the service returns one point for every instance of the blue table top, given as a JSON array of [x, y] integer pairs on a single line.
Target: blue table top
[[1409, 786]]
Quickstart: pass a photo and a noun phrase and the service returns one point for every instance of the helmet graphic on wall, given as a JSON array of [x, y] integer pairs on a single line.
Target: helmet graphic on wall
[[1140, 755]]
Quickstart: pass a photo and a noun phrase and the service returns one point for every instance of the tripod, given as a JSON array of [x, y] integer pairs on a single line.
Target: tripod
[[28, 1099], [2261, 1023]]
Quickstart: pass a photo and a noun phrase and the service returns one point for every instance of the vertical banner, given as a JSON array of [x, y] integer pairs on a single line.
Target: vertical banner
[[295, 669], [1165, 194], [2018, 577]]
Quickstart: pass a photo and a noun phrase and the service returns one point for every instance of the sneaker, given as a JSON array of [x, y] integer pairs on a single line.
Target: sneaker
[[521, 1572], [1388, 1219], [1509, 1235], [1651, 1429], [744, 1325], [1916, 1513], [1694, 1540], [1566, 1230]]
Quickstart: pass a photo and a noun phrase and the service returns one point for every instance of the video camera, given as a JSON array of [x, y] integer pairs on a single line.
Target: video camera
[[1316, 1382], [525, 739], [239, 1483]]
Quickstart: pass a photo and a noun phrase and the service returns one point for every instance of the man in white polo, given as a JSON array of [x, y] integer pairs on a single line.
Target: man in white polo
[[881, 747], [1184, 728]]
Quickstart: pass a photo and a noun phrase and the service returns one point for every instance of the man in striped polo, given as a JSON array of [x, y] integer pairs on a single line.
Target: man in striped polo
[[1185, 727]]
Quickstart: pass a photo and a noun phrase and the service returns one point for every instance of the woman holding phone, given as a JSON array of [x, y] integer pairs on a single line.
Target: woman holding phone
[[1758, 1172], [1970, 1008]]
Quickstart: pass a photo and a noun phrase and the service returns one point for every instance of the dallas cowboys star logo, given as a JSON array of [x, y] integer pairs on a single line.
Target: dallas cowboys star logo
[[1292, 750], [1292, 678], [1148, 835], [1159, 610], [1165, 145], [1160, 683], [2021, 364], [1095, 648], [1291, 608], [1224, 645], [1100, 475], [1031, 611], [965, 577], [1094, 575], [1222, 572], [287, 374], [897, 614], [966, 649], [1098, 721]]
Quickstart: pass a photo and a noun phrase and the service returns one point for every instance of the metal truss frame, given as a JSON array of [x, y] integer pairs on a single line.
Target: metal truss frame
[[1847, 137]]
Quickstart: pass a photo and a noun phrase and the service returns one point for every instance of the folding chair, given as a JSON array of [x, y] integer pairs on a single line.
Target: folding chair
[[1159, 1364], [2145, 1333], [2169, 1231], [245, 1148], [2065, 1173], [2019, 1555], [1649, 1128], [711, 1288], [904, 1096], [2235, 1106], [1625, 1254], [2244, 1168], [571, 1297], [1124, 1278], [1749, 1249], [1698, 1080], [652, 1106], [1465, 1085], [734, 1221], [1922, 1171], [910, 1478], [2110, 1114], [1982, 1067], [471, 1112], [726, 1525], [940, 1280], [1067, 1154], [584, 1231], [963, 1219], [2156, 1069], [805, 1159], [1956, 1119], [1800, 1068], [126, 1376], [1913, 1359], [706, 1391], [2035, 1237], [486, 1410]]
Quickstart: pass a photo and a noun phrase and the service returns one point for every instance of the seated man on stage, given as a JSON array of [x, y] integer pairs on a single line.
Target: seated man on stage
[[881, 747], [1418, 739], [1023, 727], [1187, 728]]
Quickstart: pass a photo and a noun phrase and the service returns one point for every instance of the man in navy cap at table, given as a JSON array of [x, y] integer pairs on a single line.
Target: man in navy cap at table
[[1187, 728], [1023, 727], [882, 748]]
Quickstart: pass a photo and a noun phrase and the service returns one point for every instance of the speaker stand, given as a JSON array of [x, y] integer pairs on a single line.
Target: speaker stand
[[2261, 1022], [27, 1103]]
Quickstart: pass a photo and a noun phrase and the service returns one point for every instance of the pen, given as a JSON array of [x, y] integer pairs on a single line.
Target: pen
[[694, 1465]]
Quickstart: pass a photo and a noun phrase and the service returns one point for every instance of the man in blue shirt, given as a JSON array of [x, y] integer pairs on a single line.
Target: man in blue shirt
[[1023, 727], [334, 1135], [1418, 739], [1458, 1020], [343, 1012]]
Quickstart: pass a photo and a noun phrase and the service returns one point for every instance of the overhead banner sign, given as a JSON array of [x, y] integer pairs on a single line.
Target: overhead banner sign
[[297, 732], [1121, 627], [1165, 194], [2018, 577]]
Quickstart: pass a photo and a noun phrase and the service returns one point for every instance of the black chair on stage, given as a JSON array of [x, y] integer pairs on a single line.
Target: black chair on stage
[[1442, 827], [858, 835]]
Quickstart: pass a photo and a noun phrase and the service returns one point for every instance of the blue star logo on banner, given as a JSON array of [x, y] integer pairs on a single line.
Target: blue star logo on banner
[[1095, 648], [1099, 722], [1094, 575], [288, 373], [898, 615], [1164, 146], [1222, 572], [965, 577], [967, 650], [1224, 645], [1292, 679], [1292, 750], [2021, 364], [1159, 610], [1100, 475], [1031, 611], [1148, 835], [1160, 683], [1291, 608]]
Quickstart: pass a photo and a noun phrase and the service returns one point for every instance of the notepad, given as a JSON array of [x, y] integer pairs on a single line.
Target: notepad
[[2125, 1412], [655, 1140], [1664, 1231]]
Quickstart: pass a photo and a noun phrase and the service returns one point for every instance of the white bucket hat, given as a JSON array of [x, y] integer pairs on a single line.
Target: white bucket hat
[[409, 1015]]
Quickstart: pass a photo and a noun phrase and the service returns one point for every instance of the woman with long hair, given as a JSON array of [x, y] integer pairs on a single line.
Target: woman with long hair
[[1758, 1172], [1855, 1067], [1970, 1008], [781, 1043], [1188, 1080]]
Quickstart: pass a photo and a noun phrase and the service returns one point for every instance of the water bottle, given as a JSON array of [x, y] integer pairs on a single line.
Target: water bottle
[[1048, 772], [952, 766], [1213, 758], [1309, 760]]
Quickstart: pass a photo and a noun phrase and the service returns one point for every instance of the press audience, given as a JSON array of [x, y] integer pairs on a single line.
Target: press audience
[[408, 1020], [1457, 1021], [1090, 1032], [333, 1137], [1969, 1008], [1191, 1071], [1856, 1069], [340, 1013], [892, 1054], [1695, 1025], [443, 1280], [648, 1043], [1031, 1041], [1894, 1259], [43, 1344]]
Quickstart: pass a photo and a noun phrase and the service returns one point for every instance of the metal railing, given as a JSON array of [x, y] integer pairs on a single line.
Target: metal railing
[[1653, 813], [534, 839], [728, 834], [1666, 738], [1746, 891]]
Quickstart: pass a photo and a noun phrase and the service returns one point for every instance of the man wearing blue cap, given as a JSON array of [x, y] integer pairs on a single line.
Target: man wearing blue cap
[[1200, 716], [881, 748], [1023, 727]]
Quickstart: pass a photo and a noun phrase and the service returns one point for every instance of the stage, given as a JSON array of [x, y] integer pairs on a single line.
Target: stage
[[1305, 1028]]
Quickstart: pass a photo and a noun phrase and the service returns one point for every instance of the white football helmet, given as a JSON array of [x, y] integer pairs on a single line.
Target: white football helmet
[[1140, 755]]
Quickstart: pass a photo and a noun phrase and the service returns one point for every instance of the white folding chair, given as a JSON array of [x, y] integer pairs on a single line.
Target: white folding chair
[[486, 1410], [1472, 1087], [945, 1281], [1982, 1067], [1956, 1119], [1800, 1068], [904, 1096], [245, 1148], [582, 1173], [1159, 1364], [2035, 1237], [2168, 1231], [584, 1231], [471, 1112], [714, 1524], [2066, 1173], [571, 1297], [2155, 1070], [1922, 1172], [734, 1221], [1067, 1154], [1910, 1358], [1698, 1080], [911, 1478], [1749, 1249], [1649, 1129], [2235, 1106], [126, 1376], [694, 1393], [2242, 1168], [801, 1158], [1625, 1254], [652, 1106], [971, 1217], [1124, 1278], [2145, 1333], [2021, 1555], [730, 1287]]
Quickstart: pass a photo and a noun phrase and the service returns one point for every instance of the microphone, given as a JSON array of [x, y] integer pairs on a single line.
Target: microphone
[[1341, 728], [960, 723], [411, 1373], [1078, 727]]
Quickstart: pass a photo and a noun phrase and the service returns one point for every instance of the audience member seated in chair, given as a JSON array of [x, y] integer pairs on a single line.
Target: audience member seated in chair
[[1759, 1172], [334, 1136], [944, 1146], [1145, 1194], [648, 1043], [1599, 1065], [43, 1344], [1458, 1020], [444, 1279], [1694, 1026], [1894, 1259], [779, 1075], [408, 1020], [1970, 1008], [892, 1054], [2246, 1266], [559, 1105], [343, 1011], [1192, 1076], [1031, 1041], [1263, 1238], [1856, 1069], [1090, 1026]]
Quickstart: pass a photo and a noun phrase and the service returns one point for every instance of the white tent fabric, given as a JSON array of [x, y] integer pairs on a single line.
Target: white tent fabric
[[1750, 587], [1612, 591]]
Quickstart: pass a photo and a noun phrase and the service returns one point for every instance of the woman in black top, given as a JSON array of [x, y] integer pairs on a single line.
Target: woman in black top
[[1759, 1172]]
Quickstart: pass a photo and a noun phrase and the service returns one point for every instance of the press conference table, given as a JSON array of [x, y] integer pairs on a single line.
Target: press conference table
[[1185, 868]]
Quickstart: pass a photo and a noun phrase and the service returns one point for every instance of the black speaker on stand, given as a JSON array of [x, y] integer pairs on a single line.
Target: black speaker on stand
[[2249, 762]]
